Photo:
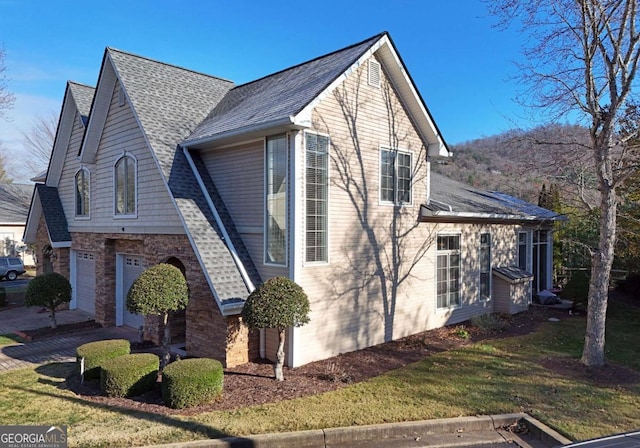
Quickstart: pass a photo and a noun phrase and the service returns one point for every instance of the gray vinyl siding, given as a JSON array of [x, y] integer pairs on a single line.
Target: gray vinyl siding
[[348, 309], [238, 173], [155, 211], [66, 186]]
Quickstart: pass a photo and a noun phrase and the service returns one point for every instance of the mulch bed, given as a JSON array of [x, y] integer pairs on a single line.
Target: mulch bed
[[46, 332], [253, 384]]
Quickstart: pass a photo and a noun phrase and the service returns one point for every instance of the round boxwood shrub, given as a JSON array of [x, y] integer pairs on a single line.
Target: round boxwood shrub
[[96, 353], [129, 375], [190, 382]]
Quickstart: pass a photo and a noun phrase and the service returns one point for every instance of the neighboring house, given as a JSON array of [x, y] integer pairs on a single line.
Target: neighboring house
[[14, 208], [320, 172]]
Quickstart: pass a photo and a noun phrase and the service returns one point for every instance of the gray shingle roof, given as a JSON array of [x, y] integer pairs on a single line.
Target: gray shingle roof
[[169, 102], [14, 203], [512, 274], [280, 95], [53, 213], [83, 96], [450, 197]]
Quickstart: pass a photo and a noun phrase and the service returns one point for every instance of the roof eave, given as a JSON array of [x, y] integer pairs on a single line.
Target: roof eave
[[231, 309], [428, 215], [246, 132]]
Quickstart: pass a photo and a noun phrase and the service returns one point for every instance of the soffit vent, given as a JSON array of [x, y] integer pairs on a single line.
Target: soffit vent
[[374, 73]]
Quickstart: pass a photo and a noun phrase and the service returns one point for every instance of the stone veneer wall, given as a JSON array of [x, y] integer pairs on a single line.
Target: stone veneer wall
[[208, 333], [60, 258]]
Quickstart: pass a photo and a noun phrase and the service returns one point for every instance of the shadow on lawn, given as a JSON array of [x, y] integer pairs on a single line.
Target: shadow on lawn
[[64, 370]]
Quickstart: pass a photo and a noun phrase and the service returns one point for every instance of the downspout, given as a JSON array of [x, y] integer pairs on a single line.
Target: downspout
[[428, 186], [223, 230]]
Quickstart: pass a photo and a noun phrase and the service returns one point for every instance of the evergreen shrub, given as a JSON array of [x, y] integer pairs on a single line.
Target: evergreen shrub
[[190, 382], [96, 353], [129, 375]]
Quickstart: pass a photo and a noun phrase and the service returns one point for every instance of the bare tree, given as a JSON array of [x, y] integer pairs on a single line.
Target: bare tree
[[6, 97], [583, 60], [38, 142], [4, 176]]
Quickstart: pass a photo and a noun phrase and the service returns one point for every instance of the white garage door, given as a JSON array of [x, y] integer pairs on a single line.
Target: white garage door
[[132, 267], [85, 287]]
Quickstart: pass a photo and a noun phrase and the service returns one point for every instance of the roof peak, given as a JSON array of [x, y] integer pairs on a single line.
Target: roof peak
[[111, 49], [372, 39], [75, 83]]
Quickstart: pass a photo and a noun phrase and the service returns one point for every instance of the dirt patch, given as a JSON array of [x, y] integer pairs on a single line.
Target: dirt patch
[[253, 384]]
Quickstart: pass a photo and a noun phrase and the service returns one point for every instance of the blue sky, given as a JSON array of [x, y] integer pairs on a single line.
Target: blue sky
[[460, 64]]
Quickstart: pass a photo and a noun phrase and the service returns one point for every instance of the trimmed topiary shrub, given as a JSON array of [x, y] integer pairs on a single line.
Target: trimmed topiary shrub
[[129, 375], [278, 303], [50, 291], [96, 353], [159, 290], [190, 382]]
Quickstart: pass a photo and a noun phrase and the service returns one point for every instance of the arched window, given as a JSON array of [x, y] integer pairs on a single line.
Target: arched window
[[125, 186], [82, 193]]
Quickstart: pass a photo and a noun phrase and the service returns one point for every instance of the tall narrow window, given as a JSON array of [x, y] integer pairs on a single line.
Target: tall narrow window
[[541, 266], [276, 201], [395, 176], [317, 190], [82, 193], [448, 271], [125, 186], [485, 266], [522, 250]]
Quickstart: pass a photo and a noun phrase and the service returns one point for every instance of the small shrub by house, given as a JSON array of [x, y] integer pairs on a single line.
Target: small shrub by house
[[96, 353], [129, 375], [278, 303], [190, 382], [48, 290], [159, 290]]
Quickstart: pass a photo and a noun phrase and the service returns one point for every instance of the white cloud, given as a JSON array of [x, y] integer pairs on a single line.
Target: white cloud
[[18, 120]]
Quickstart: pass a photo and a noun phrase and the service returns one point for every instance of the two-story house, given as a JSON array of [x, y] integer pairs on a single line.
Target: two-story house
[[319, 172]]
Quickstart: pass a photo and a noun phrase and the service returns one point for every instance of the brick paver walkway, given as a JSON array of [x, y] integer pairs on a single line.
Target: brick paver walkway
[[53, 349]]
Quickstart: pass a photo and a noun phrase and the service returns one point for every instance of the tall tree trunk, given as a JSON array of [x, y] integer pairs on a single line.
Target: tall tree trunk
[[278, 367], [52, 317], [602, 261], [166, 341]]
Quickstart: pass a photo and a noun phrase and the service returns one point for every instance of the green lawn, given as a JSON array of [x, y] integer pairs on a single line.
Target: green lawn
[[8, 339], [497, 376]]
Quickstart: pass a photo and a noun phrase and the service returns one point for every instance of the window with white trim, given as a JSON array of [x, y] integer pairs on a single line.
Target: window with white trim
[[316, 197], [276, 201], [125, 186], [395, 176], [485, 266], [448, 271], [523, 238], [82, 193]]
